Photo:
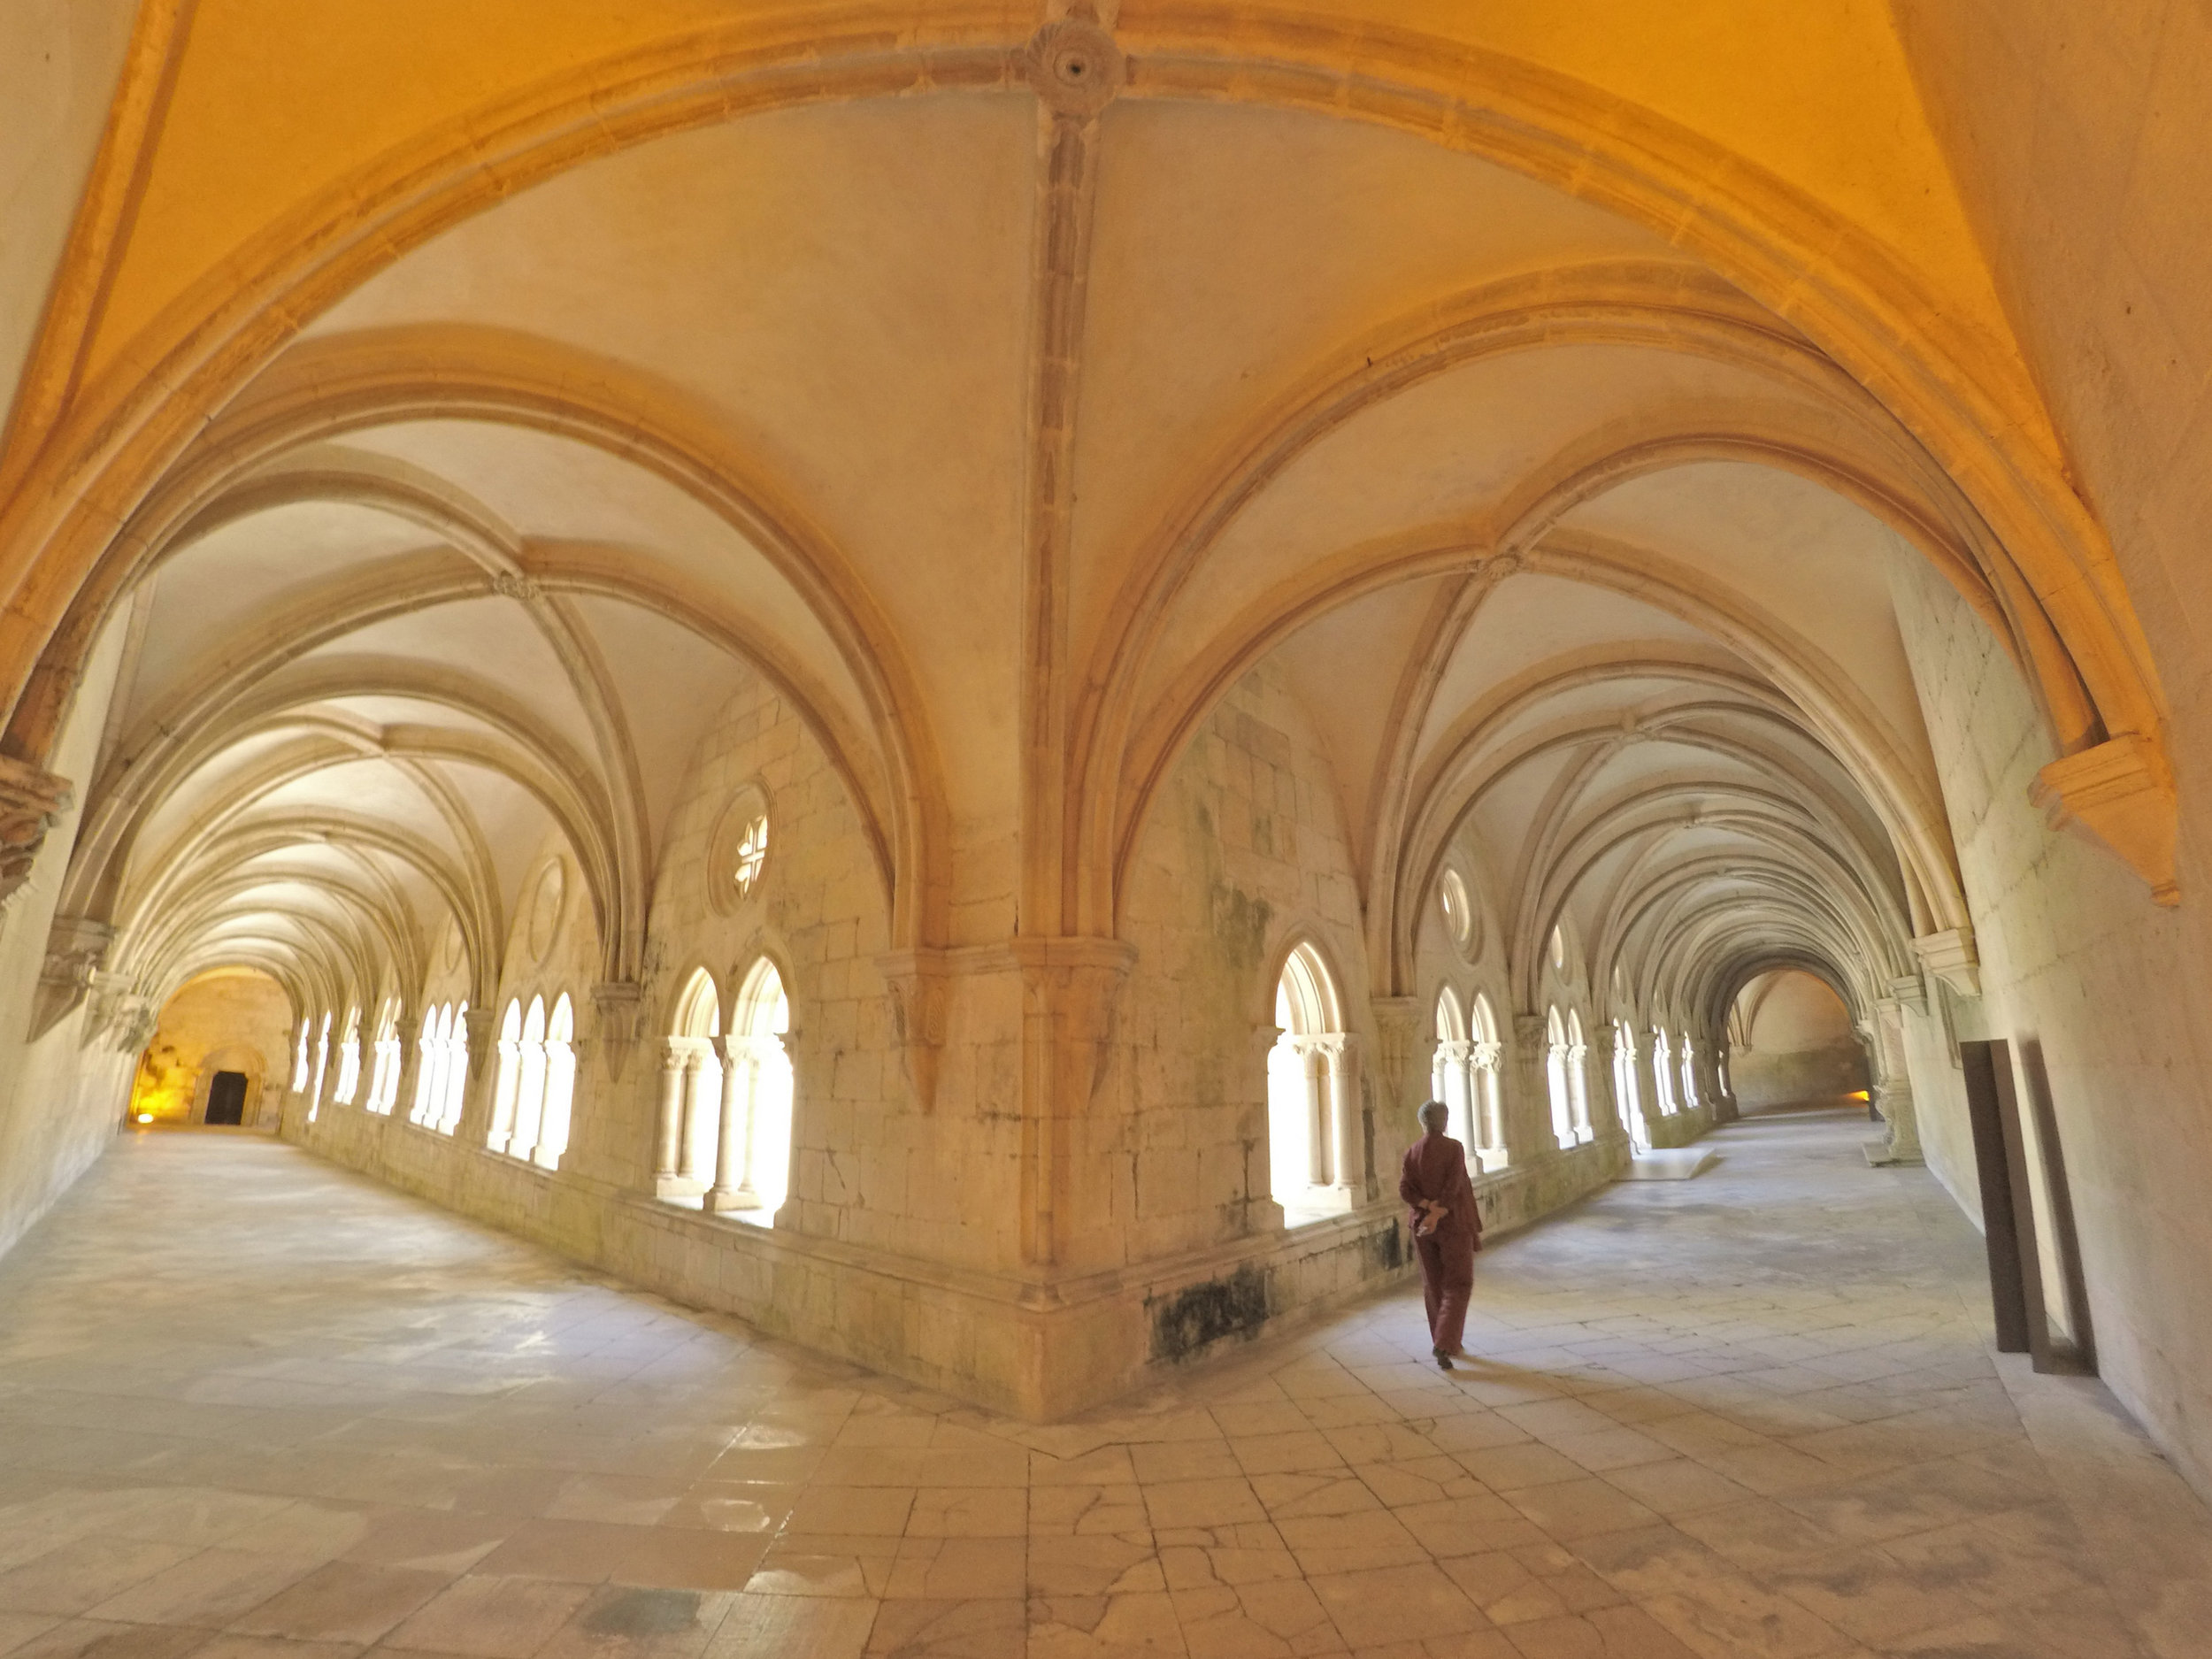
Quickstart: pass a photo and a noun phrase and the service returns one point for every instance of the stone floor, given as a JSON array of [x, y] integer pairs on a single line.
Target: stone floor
[[251, 1408]]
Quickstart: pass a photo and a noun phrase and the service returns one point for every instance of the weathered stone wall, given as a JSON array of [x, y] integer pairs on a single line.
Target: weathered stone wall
[[2076, 959]]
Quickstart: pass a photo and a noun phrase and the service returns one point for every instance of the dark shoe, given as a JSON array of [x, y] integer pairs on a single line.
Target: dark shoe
[[1443, 1360]]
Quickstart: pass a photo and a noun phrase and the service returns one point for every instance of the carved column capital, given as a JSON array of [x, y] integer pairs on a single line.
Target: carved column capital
[[2120, 794], [30, 801]]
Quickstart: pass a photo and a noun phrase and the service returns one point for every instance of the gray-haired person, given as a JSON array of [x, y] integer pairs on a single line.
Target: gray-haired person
[[1446, 1230]]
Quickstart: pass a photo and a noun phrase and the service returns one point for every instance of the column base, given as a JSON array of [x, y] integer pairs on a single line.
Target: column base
[[678, 1186], [1882, 1156], [744, 1198]]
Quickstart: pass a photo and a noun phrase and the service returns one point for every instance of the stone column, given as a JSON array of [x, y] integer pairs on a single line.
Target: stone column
[[1528, 1103], [1893, 1089], [1459, 1081], [733, 1186], [668, 1139], [695, 1057], [1646, 1079], [1339, 1061], [1605, 1101], [1708, 1089], [1484, 1075], [408, 1028], [474, 1124], [506, 1081]]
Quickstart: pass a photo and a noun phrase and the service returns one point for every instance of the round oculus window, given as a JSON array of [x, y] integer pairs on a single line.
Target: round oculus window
[[738, 855]]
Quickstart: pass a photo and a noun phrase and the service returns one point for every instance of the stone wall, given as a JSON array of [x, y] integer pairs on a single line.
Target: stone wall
[[2076, 960], [230, 1020], [61, 1093]]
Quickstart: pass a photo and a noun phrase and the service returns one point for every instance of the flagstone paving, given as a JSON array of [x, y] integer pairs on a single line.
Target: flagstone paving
[[252, 1408]]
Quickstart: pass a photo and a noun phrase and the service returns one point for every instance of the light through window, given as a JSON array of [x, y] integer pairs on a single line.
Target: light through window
[[752, 854]]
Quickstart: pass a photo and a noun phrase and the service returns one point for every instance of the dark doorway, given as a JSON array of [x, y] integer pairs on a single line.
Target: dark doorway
[[226, 1098]]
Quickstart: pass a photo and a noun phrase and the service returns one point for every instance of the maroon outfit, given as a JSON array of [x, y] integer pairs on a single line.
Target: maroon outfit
[[1436, 1170]]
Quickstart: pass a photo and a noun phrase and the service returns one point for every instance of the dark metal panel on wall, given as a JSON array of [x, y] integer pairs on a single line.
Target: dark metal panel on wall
[[2009, 1231]]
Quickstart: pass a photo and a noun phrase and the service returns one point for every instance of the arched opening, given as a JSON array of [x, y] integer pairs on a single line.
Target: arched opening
[[1555, 1083], [1489, 1091], [1792, 1042], [1308, 1093], [560, 1085], [1450, 1074], [691, 1087], [507, 1081], [1578, 1079], [530, 1082], [752, 1159], [1663, 1070], [1692, 1099], [1627, 1096]]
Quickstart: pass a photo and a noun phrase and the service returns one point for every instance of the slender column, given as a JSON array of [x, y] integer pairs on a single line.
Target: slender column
[[1459, 1090], [1600, 1085], [1319, 1140], [506, 1085], [1341, 1063], [669, 1140], [688, 1148], [1485, 1092], [734, 1145]]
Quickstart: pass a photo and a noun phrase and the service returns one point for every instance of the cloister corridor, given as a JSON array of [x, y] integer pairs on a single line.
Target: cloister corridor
[[253, 1408]]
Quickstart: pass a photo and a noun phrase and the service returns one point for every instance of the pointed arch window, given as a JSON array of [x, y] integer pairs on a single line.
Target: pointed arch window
[[507, 1079], [752, 1156], [1313, 1160], [299, 1059], [691, 1085], [1663, 1070], [1486, 1056], [1449, 1079], [1626, 1095], [1577, 1080], [1689, 1074], [1562, 1128]]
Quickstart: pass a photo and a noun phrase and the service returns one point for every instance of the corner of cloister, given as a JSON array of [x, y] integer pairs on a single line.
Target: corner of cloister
[[906, 673]]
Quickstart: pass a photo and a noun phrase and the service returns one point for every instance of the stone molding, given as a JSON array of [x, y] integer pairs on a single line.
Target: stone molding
[[618, 1003], [76, 950], [2120, 795], [915, 983], [31, 801], [1950, 955]]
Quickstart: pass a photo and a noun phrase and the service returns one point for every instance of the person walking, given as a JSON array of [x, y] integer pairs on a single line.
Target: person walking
[[1447, 1228]]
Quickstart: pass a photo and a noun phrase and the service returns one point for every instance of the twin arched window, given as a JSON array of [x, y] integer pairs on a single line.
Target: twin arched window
[[1464, 1076], [1662, 1071], [534, 1093], [724, 1124], [442, 1077], [1311, 1109]]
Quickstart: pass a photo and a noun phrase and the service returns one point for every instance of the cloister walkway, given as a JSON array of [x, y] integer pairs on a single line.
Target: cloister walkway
[[251, 1407]]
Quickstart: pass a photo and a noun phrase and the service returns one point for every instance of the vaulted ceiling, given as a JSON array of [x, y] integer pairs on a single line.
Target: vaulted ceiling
[[521, 397]]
